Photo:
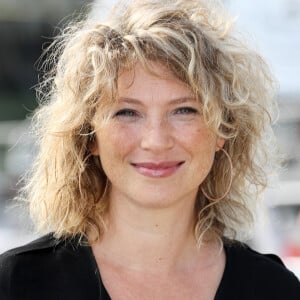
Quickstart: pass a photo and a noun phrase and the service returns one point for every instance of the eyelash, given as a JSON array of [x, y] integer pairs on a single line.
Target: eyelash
[[186, 110], [130, 113], [126, 113]]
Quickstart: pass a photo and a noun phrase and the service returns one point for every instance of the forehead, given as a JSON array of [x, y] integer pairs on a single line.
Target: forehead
[[156, 79]]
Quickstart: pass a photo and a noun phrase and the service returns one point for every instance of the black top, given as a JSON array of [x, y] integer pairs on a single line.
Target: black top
[[49, 269]]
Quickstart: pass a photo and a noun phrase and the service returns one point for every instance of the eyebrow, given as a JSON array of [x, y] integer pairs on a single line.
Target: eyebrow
[[179, 100]]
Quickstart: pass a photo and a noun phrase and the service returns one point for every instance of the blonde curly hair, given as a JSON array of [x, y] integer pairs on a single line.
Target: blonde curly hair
[[66, 188]]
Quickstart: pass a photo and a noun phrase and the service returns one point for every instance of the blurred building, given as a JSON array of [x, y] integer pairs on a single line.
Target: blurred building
[[274, 27]]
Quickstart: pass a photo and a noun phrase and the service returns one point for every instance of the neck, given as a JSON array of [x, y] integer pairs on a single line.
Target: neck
[[142, 238]]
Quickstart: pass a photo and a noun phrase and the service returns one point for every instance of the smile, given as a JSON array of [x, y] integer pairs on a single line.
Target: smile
[[159, 170]]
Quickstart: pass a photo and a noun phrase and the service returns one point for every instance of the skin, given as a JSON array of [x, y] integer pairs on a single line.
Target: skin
[[149, 238]]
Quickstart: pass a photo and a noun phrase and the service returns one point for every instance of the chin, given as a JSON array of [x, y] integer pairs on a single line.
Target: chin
[[162, 199]]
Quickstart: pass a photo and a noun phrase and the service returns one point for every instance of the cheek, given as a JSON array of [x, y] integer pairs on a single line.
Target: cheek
[[201, 144], [115, 141], [198, 138]]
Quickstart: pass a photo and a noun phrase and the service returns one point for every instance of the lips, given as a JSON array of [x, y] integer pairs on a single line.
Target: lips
[[161, 169]]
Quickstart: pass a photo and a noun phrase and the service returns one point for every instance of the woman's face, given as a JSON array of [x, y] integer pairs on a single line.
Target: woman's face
[[155, 149]]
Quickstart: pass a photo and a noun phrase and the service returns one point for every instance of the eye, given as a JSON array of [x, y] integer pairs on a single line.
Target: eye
[[126, 113], [186, 110]]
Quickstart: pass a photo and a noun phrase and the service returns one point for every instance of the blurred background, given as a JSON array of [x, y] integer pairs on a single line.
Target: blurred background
[[27, 26]]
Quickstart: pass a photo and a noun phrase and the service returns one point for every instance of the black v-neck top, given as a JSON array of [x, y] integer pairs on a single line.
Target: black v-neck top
[[50, 269]]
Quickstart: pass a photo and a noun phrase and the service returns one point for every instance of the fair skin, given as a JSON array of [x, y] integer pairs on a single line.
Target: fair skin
[[156, 151]]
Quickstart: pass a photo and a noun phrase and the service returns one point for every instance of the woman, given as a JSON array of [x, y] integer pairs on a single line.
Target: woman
[[153, 150]]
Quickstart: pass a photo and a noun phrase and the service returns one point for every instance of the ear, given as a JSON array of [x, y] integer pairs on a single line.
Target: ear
[[93, 147], [220, 143]]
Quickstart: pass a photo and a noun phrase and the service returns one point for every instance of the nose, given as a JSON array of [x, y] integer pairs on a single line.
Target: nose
[[157, 136]]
